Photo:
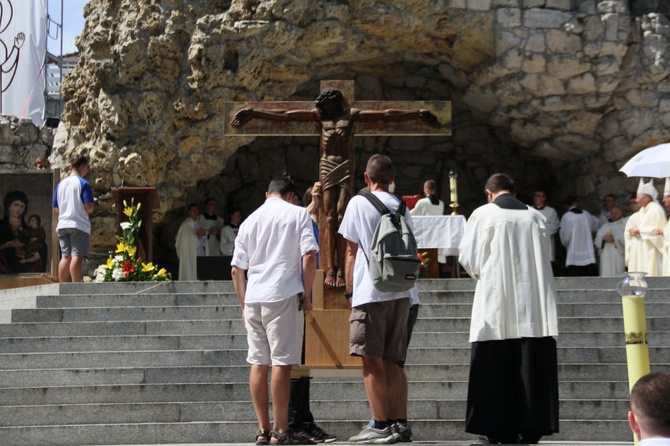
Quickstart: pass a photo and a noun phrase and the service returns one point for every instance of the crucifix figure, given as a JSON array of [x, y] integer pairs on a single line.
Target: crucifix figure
[[335, 120]]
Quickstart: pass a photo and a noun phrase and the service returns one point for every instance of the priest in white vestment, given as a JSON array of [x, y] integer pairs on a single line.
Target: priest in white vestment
[[430, 205], [577, 229], [609, 242], [212, 225], [644, 244], [549, 213], [190, 239], [666, 231], [505, 248]]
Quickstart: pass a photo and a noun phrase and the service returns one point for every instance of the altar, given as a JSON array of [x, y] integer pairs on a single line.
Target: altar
[[441, 234]]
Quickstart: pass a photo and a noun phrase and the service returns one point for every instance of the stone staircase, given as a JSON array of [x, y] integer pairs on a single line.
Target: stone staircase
[[148, 363]]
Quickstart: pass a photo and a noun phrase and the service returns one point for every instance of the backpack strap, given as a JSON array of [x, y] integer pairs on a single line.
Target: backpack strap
[[376, 202]]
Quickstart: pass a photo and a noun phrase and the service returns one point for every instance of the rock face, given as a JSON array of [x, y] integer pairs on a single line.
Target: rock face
[[558, 93]]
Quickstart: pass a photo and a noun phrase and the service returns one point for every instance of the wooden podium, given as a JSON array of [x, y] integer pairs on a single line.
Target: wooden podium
[[149, 199]]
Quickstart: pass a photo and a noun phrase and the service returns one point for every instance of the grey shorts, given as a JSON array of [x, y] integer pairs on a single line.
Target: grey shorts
[[379, 329], [73, 242]]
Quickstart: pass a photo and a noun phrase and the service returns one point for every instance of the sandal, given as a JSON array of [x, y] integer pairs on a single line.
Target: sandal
[[262, 433]]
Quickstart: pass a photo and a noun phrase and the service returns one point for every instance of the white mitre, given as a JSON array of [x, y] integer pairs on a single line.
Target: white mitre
[[666, 190], [647, 189]]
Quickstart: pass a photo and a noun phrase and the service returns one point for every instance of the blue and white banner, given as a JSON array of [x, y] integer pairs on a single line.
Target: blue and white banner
[[23, 47]]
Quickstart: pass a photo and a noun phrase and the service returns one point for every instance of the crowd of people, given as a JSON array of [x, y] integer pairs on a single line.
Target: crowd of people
[[612, 243], [274, 256]]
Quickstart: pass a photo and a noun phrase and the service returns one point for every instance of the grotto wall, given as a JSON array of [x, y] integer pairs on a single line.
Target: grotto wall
[[559, 93]]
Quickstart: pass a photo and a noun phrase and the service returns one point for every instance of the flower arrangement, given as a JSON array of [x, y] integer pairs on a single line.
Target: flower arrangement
[[423, 257], [124, 265]]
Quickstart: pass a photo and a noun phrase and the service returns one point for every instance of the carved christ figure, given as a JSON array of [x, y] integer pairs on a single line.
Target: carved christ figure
[[336, 124]]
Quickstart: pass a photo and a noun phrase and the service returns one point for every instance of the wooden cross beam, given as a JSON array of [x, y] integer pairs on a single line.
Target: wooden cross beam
[[441, 109]]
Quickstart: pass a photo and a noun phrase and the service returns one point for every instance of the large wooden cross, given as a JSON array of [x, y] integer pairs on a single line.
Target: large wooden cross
[[272, 119]]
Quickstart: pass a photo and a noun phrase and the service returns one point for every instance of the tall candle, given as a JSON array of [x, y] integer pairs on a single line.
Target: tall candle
[[452, 187]]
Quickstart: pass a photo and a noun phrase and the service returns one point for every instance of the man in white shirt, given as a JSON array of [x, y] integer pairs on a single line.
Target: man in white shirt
[[649, 414], [273, 268], [505, 248], [553, 223], [644, 244], [576, 233], [378, 322], [609, 242]]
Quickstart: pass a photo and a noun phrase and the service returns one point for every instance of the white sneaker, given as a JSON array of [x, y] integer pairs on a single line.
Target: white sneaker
[[370, 435]]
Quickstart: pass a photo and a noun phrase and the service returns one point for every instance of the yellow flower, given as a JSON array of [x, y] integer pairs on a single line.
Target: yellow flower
[[131, 250], [161, 273], [147, 267], [138, 206], [120, 247], [110, 263], [128, 212]]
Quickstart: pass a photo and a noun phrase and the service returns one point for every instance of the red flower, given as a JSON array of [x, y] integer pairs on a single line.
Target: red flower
[[127, 268]]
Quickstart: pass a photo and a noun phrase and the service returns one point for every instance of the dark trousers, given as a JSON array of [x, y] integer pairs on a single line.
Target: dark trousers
[[513, 388]]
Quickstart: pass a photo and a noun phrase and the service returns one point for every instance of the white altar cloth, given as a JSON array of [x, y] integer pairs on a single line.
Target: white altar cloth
[[443, 232]]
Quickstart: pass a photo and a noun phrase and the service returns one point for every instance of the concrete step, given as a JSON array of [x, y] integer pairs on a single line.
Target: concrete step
[[565, 324], [172, 358], [420, 339], [117, 328], [324, 390], [136, 300], [443, 375], [229, 298], [232, 432], [328, 410], [231, 311], [122, 343], [84, 360]]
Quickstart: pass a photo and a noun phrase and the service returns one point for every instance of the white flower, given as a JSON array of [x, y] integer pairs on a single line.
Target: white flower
[[118, 258], [117, 274], [100, 273], [125, 225]]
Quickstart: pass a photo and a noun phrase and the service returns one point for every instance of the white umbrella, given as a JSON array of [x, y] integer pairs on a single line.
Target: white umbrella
[[653, 162]]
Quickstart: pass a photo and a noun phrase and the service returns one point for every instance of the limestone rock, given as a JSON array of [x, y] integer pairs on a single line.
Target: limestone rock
[[555, 82]]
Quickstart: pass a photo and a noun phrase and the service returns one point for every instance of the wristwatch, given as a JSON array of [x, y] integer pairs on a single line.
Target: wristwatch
[[348, 295]]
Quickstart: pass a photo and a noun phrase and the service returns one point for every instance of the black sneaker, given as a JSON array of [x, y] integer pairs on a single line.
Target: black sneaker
[[315, 433]]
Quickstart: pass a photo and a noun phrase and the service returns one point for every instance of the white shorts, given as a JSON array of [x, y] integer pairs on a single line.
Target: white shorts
[[274, 332]]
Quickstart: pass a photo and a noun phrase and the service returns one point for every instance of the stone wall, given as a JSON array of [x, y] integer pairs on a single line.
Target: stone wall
[[559, 93], [21, 142]]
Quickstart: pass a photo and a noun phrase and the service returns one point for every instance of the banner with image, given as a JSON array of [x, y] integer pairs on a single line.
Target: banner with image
[[22, 55]]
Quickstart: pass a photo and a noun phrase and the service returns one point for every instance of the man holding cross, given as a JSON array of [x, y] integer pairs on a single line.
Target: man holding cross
[[336, 124]]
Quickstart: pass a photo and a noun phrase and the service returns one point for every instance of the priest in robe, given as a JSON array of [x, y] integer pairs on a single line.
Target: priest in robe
[[666, 231], [577, 229], [553, 223], [609, 242], [189, 242], [505, 248], [212, 225], [430, 205], [644, 244]]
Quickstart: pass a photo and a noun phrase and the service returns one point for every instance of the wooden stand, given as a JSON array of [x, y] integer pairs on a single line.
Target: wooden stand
[[327, 334], [149, 199]]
